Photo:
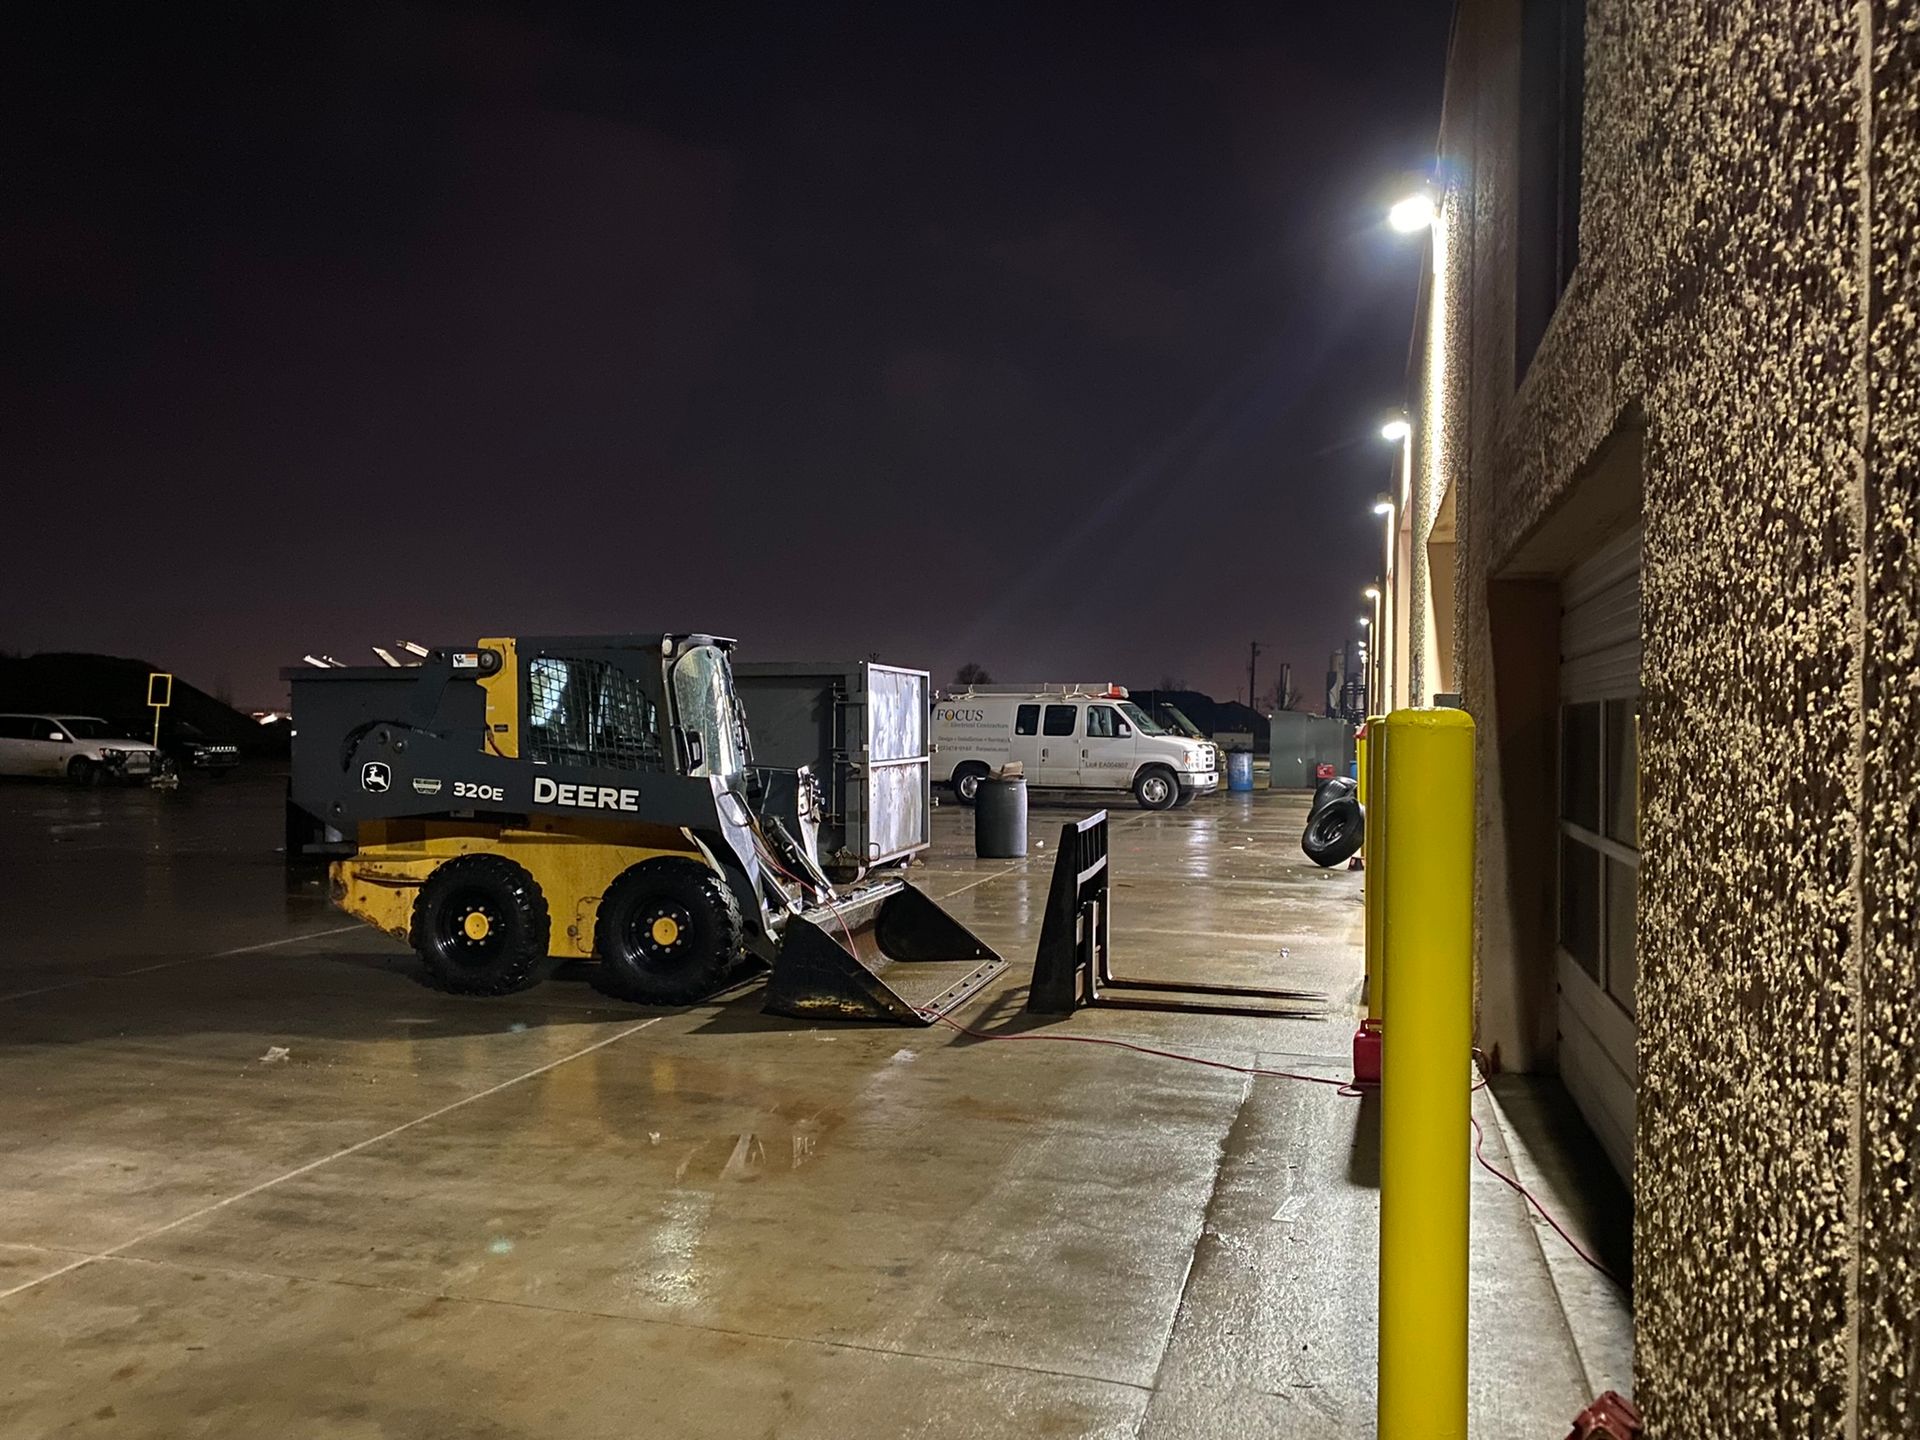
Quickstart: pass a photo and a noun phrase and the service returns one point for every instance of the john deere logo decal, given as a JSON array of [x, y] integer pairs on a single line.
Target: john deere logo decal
[[376, 777]]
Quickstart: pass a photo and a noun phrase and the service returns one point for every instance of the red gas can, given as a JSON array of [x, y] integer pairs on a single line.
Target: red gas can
[[1611, 1417]]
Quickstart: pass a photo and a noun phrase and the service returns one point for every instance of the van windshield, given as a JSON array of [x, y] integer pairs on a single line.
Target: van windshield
[[1142, 721], [1181, 723]]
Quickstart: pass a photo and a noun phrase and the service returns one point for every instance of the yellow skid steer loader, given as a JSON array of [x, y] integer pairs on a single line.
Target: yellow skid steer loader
[[525, 802]]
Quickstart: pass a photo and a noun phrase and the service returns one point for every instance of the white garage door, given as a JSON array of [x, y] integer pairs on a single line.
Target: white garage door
[[1600, 839]]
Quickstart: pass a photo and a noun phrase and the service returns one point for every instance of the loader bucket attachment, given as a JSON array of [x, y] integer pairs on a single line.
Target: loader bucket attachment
[[889, 953]]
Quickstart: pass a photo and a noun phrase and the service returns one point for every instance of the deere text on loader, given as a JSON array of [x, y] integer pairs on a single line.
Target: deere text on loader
[[536, 800]]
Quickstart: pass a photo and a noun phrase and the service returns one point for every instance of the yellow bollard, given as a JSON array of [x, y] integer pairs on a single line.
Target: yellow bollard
[[1426, 1080], [1373, 798]]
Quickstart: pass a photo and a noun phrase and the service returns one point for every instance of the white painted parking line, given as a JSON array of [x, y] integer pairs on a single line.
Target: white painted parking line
[[313, 1165], [983, 880], [185, 960], [1123, 822]]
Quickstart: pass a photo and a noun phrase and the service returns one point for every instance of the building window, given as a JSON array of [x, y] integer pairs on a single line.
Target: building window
[[1599, 842], [1553, 45]]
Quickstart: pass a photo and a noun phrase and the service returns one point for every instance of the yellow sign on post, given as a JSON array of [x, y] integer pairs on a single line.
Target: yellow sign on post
[[159, 697], [1426, 1074]]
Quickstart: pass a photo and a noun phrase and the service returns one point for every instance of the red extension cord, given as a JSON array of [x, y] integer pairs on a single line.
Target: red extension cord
[[1343, 1086]]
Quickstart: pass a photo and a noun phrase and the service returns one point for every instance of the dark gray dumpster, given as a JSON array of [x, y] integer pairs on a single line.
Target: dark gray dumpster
[[862, 728], [1000, 819]]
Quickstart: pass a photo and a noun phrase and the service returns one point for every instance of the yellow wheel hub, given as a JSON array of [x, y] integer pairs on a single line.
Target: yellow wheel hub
[[477, 926], [666, 930]]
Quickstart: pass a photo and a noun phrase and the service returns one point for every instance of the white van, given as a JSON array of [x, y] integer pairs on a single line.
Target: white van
[[1068, 741]]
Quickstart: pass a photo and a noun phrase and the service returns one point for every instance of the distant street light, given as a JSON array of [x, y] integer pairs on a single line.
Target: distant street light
[[1412, 214], [1395, 430], [1380, 692], [1376, 671]]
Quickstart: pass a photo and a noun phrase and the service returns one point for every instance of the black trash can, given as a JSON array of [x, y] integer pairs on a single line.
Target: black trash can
[[1000, 819]]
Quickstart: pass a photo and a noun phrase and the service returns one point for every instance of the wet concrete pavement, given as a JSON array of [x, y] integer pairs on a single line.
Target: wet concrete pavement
[[551, 1214]]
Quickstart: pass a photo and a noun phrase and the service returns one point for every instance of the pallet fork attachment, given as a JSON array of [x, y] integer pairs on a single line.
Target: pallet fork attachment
[[1073, 966]]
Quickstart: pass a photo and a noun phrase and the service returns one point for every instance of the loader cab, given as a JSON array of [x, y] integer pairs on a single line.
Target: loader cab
[[670, 708]]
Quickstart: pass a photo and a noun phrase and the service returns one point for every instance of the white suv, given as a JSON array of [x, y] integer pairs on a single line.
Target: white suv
[[81, 748]]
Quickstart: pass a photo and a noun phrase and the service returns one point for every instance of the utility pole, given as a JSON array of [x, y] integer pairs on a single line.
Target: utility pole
[[1253, 655]]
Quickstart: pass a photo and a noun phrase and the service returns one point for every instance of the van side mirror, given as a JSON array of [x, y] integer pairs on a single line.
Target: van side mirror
[[61, 736], [1125, 730]]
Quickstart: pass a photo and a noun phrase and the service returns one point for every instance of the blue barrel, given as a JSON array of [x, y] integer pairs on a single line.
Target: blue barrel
[[1240, 770]]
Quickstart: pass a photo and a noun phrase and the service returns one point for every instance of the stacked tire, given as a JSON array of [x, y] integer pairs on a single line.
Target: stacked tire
[[1336, 824]]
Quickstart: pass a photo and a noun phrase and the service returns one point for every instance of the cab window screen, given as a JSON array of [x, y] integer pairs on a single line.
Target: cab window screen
[[588, 713], [1026, 720], [1102, 722], [1060, 719]]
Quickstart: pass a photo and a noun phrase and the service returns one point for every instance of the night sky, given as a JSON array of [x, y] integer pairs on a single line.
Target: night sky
[[1052, 337]]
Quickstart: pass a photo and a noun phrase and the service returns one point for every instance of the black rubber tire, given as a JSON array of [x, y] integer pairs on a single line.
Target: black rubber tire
[[1186, 797], [1334, 836], [636, 965], [513, 953], [1336, 787], [966, 781], [1156, 788], [82, 771]]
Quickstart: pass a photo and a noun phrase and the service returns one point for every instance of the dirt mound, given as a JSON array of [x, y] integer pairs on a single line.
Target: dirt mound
[[114, 688]]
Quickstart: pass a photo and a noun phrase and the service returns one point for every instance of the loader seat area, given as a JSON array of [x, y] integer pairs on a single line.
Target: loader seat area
[[572, 861]]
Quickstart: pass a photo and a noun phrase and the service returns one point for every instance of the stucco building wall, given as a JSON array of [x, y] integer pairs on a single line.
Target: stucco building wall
[[1889, 1220], [1734, 364]]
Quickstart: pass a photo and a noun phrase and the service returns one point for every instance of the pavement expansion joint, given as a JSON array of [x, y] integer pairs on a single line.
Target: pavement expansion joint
[[1207, 1212]]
